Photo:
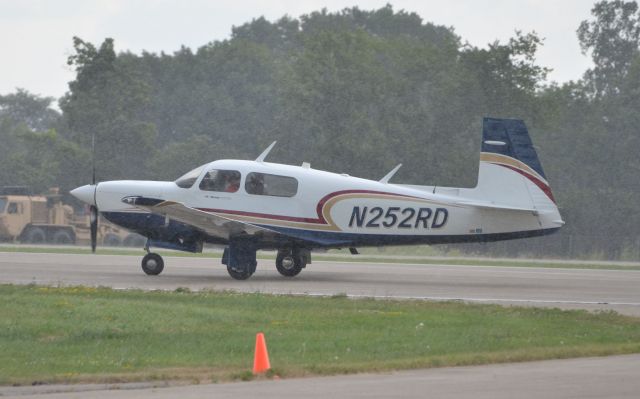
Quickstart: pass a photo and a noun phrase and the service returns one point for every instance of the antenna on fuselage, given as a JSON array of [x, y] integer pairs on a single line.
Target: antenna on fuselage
[[389, 175], [265, 152]]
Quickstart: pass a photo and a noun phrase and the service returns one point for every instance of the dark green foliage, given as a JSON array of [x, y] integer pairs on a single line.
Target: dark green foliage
[[32, 153], [353, 91], [613, 40]]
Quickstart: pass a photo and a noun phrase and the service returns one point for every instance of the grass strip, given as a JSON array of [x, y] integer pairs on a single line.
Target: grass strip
[[81, 334]]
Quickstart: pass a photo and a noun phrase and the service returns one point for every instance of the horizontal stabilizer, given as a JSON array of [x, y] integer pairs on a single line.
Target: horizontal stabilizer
[[491, 205]]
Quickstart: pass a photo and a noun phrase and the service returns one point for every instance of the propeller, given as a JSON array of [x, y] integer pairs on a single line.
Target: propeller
[[87, 194], [93, 218], [93, 210]]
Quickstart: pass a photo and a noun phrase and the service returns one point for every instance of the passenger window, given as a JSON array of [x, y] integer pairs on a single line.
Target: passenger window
[[273, 185], [13, 208], [221, 180]]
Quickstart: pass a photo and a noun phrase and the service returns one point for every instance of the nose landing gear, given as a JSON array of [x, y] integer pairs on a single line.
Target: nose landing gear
[[152, 263]]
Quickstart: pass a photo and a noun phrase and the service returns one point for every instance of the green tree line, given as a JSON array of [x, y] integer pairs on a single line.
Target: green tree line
[[352, 91]]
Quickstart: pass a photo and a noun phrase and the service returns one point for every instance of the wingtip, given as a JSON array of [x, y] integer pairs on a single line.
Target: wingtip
[[389, 175], [264, 154]]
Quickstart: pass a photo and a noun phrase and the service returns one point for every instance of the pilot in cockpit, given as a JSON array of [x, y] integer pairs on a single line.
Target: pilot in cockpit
[[233, 182]]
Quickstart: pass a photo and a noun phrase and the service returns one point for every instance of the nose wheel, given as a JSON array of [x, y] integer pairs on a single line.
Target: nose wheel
[[152, 264]]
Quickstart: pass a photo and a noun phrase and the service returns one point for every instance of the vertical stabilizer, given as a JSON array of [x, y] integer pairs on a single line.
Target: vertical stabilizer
[[510, 171]]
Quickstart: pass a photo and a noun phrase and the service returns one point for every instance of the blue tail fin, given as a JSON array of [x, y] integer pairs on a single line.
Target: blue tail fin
[[510, 137]]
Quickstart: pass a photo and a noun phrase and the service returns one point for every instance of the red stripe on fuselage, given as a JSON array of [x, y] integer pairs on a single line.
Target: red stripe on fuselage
[[321, 203]]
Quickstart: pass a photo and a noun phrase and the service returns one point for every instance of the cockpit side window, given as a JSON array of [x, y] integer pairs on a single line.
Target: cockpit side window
[[187, 180], [273, 185], [221, 180]]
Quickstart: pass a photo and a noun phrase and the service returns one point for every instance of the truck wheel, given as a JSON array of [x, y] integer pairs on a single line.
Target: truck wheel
[[134, 240], [62, 237], [112, 240], [34, 235]]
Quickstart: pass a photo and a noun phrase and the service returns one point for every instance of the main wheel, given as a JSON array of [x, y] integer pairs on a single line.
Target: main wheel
[[288, 264], [239, 274], [152, 264]]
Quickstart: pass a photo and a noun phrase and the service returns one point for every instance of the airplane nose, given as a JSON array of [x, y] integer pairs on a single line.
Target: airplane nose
[[86, 194]]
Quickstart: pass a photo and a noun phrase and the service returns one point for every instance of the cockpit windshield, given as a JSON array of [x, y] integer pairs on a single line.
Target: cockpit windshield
[[187, 180]]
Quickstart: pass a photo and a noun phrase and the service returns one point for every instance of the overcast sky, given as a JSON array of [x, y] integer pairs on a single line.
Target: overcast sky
[[36, 35]]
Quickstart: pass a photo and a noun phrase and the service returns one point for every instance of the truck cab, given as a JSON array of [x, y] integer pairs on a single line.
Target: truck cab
[[15, 214]]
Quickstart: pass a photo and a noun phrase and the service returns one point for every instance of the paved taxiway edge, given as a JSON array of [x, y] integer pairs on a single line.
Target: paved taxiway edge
[[604, 377]]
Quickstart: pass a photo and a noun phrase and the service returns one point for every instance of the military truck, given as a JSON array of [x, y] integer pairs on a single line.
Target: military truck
[[39, 219]]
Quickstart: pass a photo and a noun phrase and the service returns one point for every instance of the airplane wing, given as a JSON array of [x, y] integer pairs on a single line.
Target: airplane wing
[[209, 223]]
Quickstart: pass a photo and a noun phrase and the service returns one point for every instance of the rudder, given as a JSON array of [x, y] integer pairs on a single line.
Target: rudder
[[517, 143]]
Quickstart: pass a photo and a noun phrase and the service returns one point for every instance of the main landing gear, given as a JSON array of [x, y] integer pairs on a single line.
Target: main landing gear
[[240, 259], [290, 262]]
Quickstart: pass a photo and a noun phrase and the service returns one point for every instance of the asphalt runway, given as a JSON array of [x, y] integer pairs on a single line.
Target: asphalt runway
[[617, 290]]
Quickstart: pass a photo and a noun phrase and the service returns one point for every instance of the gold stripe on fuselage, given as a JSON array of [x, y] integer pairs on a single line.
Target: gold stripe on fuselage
[[506, 160]]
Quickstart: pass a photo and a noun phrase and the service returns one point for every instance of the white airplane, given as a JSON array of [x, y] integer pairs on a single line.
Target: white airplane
[[251, 205]]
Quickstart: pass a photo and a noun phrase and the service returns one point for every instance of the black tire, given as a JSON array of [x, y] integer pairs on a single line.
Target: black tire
[[289, 265], [134, 240], [239, 274], [152, 264], [34, 235], [111, 240], [63, 237]]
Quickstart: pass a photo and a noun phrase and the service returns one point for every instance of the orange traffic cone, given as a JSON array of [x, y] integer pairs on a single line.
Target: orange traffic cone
[[261, 359]]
